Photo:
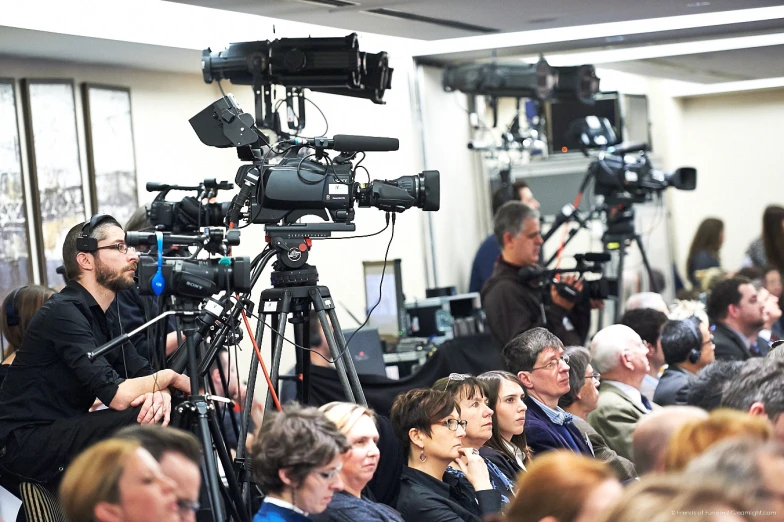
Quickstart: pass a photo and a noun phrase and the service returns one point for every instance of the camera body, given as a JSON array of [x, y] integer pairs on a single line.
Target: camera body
[[189, 214], [196, 278], [601, 288]]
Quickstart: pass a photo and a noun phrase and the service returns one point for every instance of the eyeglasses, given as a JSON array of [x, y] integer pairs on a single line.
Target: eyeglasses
[[595, 376], [553, 364], [456, 377], [120, 247], [452, 424], [329, 475], [187, 505]]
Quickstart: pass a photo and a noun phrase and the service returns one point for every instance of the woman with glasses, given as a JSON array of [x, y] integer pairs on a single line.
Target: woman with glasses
[[582, 399], [296, 460], [470, 395], [358, 424], [507, 447], [427, 422]]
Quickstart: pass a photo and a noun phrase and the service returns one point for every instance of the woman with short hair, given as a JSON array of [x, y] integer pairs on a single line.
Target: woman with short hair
[[296, 462], [358, 424], [427, 422], [117, 480]]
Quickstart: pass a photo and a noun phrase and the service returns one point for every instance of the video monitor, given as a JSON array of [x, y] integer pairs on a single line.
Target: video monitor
[[389, 316]]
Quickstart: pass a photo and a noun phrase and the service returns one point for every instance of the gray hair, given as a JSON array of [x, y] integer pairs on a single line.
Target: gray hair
[[735, 465], [759, 380], [607, 346], [520, 353], [646, 300], [510, 218], [579, 359]]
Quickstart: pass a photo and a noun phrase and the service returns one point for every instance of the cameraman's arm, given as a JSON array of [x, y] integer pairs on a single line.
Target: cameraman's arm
[[130, 389]]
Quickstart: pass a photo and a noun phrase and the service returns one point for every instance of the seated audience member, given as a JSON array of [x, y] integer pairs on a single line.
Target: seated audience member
[[678, 499], [486, 256], [744, 466], [695, 437], [118, 480], [469, 394], [507, 448], [427, 423], [736, 312], [582, 399], [707, 387], [652, 435], [46, 396], [757, 389], [18, 309], [766, 249], [688, 348], [360, 462], [771, 280], [620, 356], [296, 461], [648, 323], [179, 454], [537, 356], [771, 313], [705, 248], [564, 487], [647, 300]]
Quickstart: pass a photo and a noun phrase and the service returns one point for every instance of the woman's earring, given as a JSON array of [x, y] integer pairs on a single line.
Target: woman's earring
[[422, 456]]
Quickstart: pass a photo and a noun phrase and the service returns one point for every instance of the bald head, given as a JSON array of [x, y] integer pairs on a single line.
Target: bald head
[[647, 300], [652, 435], [609, 344]]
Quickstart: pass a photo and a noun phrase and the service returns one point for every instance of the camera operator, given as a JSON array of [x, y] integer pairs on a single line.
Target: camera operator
[[45, 399], [513, 306]]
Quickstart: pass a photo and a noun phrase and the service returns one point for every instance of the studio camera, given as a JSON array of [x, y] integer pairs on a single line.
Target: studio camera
[[306, 181], [189, 214], [624, 173], [589, 263]]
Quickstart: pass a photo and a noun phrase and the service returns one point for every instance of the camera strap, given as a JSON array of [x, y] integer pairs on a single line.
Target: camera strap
[[158, 282]]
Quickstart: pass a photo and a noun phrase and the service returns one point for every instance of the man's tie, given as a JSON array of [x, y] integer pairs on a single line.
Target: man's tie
[[754, 349], [646, 403]]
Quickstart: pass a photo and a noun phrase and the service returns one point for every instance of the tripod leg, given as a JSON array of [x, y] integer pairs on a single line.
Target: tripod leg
[[621, 297], [347, 360], [212, 466], [648, 270], [335, 352], [277, 348], [234, 496]]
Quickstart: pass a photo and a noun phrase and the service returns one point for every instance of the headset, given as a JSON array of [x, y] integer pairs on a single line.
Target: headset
[[11, 314], [86, 243], [695, 353]]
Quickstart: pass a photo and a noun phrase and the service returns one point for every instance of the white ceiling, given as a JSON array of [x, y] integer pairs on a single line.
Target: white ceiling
[[532, 28]]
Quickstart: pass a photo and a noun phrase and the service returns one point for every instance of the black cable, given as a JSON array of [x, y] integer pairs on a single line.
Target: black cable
[[351, 237]]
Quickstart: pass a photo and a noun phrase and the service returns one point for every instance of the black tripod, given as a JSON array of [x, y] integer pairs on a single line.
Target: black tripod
[[294, 292]]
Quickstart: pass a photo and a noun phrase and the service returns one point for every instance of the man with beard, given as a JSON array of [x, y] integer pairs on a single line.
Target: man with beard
[[46, 397], [737, 314]]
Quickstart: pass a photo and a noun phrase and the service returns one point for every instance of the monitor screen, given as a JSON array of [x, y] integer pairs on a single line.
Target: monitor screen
[[561, 114], [388, 315]]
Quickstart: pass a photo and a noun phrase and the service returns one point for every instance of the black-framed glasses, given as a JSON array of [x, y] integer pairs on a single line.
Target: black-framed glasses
[[329, 475], [553, 364], [456, 377], [120, 247], [452, 424], [187, 505]]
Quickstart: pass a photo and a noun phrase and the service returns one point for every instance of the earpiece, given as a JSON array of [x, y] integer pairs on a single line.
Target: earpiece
[[85, 243], [695, 353], [11, 314]]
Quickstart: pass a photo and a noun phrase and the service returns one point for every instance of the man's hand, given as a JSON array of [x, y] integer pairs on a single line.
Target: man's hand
[[155, 406], [572, 281], [181, 382]]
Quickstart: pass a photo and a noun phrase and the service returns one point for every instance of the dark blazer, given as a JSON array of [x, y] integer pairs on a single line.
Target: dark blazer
[[506, 464], [730, 347], [673, 386], [543, 435], [424, 498]]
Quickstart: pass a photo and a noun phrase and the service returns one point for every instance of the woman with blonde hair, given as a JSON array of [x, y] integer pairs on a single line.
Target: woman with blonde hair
[[360, 462], [562, 486], [694, 438], [118, 481]]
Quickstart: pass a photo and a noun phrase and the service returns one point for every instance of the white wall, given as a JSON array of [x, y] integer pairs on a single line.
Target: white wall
[[734, 141]]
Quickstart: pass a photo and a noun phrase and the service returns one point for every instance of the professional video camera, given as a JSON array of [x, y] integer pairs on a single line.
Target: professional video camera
[[601, 288], [190, 214], [297, 186], [329, 65]]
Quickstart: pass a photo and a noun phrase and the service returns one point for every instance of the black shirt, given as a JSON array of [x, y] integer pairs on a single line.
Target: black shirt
[[51, 377], [128, 308]]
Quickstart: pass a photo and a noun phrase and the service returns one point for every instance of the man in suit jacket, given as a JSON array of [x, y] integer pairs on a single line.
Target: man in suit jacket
[[620, 356], [688, 347], [536, 356], [737, 314]]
